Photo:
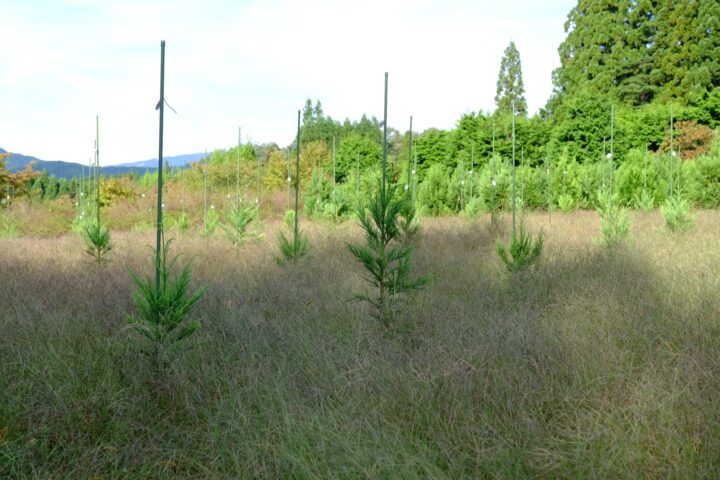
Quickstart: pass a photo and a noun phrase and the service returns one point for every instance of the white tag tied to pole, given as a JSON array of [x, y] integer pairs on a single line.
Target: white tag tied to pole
[[407, 187]]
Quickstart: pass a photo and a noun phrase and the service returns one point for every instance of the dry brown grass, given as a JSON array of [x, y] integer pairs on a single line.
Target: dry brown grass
[[602, 364]]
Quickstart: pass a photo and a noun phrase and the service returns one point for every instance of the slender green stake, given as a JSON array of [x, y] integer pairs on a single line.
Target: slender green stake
[[297, 181], [384, 166], [159, 228], [333, 158], [513, 169], [407, 187], [205, 187], [257, 195]]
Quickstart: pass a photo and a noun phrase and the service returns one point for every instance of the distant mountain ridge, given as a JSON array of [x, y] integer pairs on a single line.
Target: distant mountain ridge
[[17, 162]]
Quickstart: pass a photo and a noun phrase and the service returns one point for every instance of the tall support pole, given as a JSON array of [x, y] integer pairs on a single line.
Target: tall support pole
[[407, 186], [159, 228], [384, 164]]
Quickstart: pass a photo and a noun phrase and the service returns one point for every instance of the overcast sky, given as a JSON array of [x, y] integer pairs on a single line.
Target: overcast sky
[[252, 64]]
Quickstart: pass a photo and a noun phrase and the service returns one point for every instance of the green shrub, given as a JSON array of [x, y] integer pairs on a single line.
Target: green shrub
[[644, 201], [182, 222], [237, 220], [97, 241], [292, 251], [212, 219], [522, 251], [408, 222], [387, 262], [433, 193], [676, 211], [566, 203], [163, 308], [8, 228], [614, 220]]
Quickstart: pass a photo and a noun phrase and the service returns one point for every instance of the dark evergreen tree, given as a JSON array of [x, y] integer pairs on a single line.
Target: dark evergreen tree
[[510, 83]]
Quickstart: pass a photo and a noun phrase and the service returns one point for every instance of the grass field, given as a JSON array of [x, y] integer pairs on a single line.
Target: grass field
[[602, 364]]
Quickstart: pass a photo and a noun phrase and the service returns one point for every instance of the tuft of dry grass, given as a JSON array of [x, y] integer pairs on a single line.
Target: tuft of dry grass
[[602, 364]]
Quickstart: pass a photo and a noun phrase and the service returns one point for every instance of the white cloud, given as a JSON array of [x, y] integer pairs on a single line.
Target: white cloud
[[253, 64]]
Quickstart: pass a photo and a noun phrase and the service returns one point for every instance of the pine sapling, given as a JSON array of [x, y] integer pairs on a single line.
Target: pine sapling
[[408, 221], [164, 307], [237, 220], [387, 261], [677, 214], [97, 241], [614, 220], [522, 251]]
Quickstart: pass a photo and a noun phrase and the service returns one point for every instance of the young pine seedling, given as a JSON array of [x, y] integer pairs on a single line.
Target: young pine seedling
[[237, 220], [97, 241], [164, 308], [210, 223], [292, 251], [387, 261], [522, 251], [408, 221], [676, 211], [614, 220]]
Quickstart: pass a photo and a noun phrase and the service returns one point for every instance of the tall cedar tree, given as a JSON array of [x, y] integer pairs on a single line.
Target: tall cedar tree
[[639, 50], [510, 83]]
